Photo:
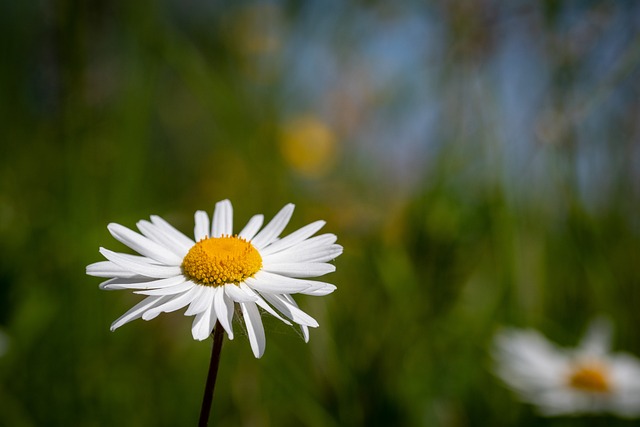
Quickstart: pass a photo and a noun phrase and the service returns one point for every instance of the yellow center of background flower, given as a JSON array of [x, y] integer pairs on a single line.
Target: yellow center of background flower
[[216, 261], [591, 377]]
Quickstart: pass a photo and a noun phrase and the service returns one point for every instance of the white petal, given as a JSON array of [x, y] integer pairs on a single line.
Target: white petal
[[294, 238], [141, 282], [136, 311], [252, 227], [262, 303], [303, 328], [222, 219], [272, 230], [255, 329], [109, 269], [597, 339], [318, 292], [305, 332], [321, 240], [169, 290], [141, 267], [317, 249], [175, 302], [316, 286], [224, 310], [321, 254], [300, 269], [140, 258], [317, 241], [205, 321], [172, 231], [143, 246], [158, 235], [200, 301], [201, 229], [237, 294], [290, 310], [106, 285], [527, 361], [274, 283]]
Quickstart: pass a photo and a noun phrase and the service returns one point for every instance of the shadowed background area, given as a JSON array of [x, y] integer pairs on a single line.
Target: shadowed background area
[[479, 162]]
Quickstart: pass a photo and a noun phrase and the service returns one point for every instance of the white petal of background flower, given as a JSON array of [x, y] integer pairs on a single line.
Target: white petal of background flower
[[543, 374], [597, 339]]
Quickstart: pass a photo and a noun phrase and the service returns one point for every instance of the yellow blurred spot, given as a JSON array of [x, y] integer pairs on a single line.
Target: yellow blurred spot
[[308, 145]]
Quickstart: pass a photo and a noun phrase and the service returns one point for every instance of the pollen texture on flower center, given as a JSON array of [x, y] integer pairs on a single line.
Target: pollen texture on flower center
[[590, 377], [216, 261]]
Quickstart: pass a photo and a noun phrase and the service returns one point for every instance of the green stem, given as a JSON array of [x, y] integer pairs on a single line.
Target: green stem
[[207, 399]]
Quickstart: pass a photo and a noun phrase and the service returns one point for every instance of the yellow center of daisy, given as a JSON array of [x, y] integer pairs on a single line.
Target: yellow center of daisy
[[591, 377], [216, 261]]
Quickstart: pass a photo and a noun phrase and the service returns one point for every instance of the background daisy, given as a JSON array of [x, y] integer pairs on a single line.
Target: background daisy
[[587, 379]]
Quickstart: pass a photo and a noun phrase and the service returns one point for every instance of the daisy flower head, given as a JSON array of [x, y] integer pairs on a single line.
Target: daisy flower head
[[218, 269], [588, 379]]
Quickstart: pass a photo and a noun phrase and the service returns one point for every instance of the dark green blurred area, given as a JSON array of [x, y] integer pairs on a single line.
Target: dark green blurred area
[[479, 162]]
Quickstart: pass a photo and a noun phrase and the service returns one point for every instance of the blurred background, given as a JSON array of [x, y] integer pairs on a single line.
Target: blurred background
[[479, 161]]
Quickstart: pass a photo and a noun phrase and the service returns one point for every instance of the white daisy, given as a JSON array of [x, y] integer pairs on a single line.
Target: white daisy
[[587, 379], [254, 268]]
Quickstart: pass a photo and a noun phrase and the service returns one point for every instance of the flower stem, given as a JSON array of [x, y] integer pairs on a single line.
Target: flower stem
[[207, 399]]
